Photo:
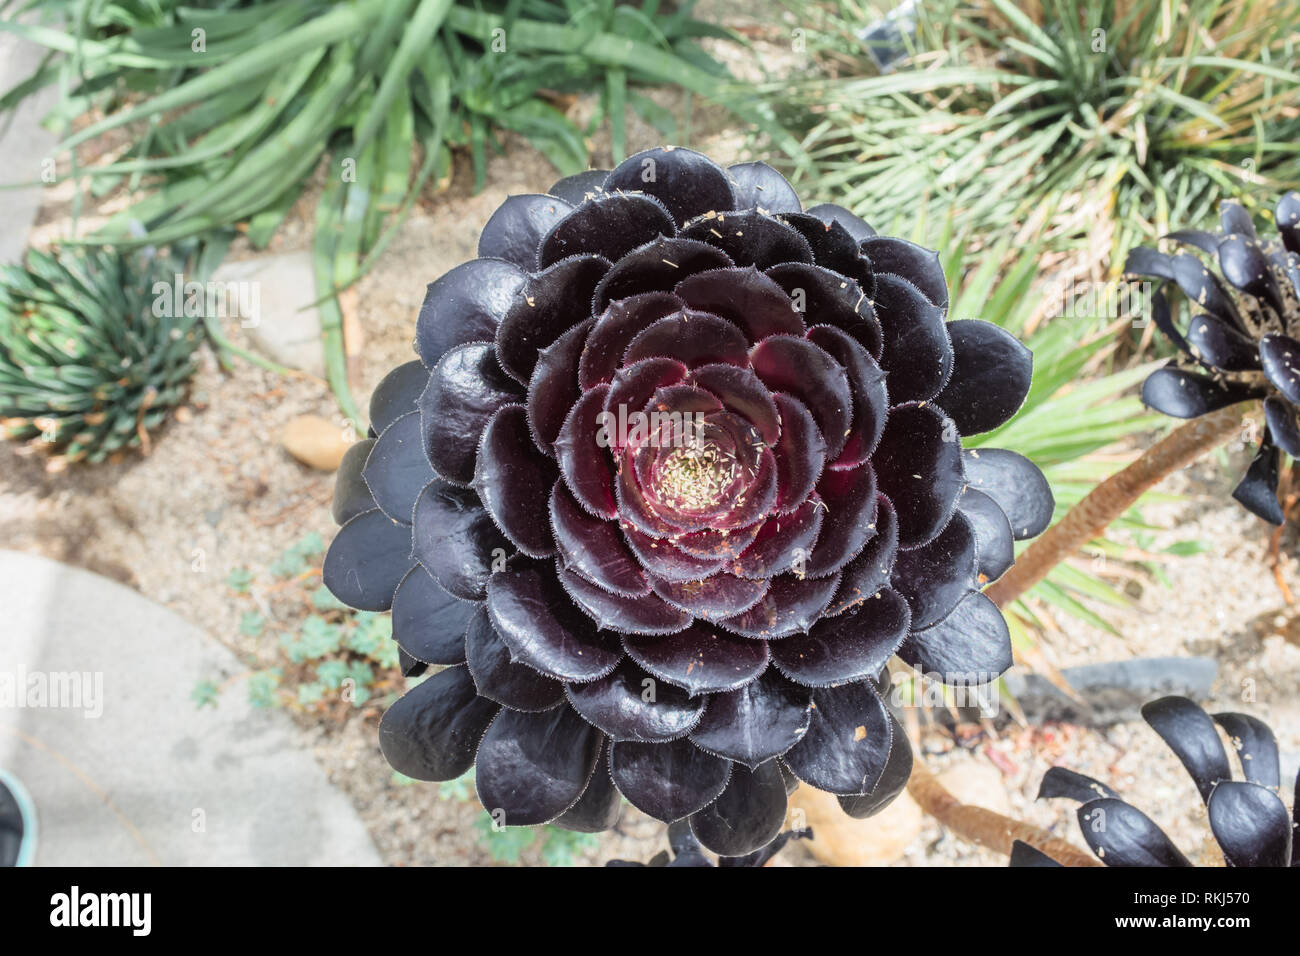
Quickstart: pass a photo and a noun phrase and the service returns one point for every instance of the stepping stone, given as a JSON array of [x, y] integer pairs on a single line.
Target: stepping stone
[[97, 721]]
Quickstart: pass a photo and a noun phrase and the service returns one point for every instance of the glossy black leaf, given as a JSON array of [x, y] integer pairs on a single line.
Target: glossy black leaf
[[686, 182], [580, 187], [464, 391], [498, 676], [522, 777], [755, 723], [917, 352], [852, 646], [514, 481], [759, 186], [847, 746], [747, 816], [630, 704], [970, 646], [1257, 490], [466, 305], [428, 623], [700, 659], [919, 468], [538, 622], [1255, 746], [892, 782], [351, 493], [397, 469], [935, 576], [434, 729], [516, 228], [1063, 782], [600, 805], [1016, 485], [668, 781], [990, 376], [456, 540], [1189, 732], [1251, 824], [994, 543], [1122, 835], [367, 560], [397, 394], [1281, 357]]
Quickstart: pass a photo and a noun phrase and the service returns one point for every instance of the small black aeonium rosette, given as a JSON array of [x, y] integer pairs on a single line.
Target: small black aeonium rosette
[[678, 471], [1247, 817], [1245, 344]]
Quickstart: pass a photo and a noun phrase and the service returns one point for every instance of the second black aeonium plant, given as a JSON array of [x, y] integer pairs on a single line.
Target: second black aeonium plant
[[1242, 338], [1247, 817], [677, 472]]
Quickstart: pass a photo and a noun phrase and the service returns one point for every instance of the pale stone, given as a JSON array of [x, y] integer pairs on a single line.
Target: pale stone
[[840, 840], [978, 784], [315, 441], [269, 296]]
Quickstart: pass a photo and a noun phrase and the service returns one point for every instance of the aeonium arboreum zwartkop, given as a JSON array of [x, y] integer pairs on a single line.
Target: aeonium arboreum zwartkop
[[1248, 819], [1242, 338], [678, 470]]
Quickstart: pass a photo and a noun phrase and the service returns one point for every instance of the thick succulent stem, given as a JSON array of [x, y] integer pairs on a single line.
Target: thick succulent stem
[[1112, 498], [985, 827]]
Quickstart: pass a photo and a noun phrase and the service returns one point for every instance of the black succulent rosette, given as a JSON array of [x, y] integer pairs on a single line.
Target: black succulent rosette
[[685, 850], [678, 471], [1242, 340], [1249, 821]]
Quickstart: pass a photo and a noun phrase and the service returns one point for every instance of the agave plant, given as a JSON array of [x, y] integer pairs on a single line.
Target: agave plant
[[87, 367], [1242, 338], [1249, 821], [678, 470]]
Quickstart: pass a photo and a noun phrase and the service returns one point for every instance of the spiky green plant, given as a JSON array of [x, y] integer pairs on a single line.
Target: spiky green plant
[[86, 366], [1079, 117]]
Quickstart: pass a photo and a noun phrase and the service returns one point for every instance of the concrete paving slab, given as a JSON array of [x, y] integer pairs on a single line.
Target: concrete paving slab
[[97, 721]]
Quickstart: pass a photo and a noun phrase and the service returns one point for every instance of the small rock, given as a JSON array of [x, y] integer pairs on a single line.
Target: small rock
[[315, 441], [269, 295], [840, 840], [978, 784]]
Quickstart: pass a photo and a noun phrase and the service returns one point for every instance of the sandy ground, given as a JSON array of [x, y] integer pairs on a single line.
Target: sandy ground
[[218, 493]]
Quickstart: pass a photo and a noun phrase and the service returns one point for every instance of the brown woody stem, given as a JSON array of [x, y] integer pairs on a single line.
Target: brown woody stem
[[984, 827], [1085, 521], [1110, 499]]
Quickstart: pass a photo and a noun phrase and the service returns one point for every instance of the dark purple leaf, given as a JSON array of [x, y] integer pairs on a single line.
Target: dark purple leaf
[[434, 729], [523, 778]]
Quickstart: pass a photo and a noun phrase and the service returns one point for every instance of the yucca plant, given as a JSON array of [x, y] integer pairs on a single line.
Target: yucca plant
[[1076, 118], [234, 106], [87, 365]]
